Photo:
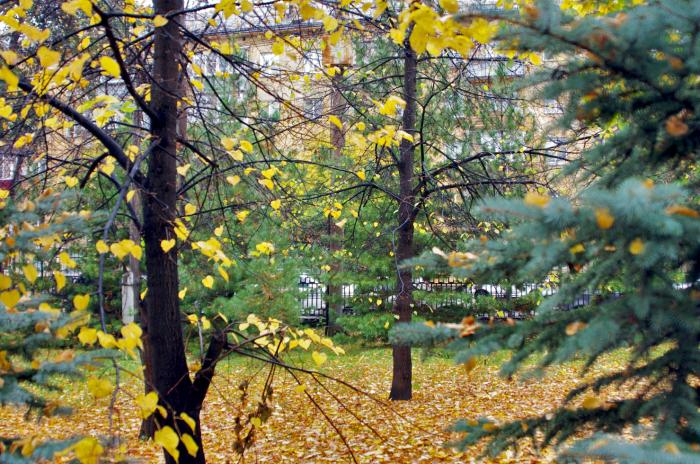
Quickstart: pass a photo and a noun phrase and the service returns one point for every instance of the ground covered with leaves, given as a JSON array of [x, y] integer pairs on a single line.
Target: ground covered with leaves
[[326, 421]]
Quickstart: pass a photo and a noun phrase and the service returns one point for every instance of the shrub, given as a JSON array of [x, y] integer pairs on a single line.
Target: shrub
[[369, 327]]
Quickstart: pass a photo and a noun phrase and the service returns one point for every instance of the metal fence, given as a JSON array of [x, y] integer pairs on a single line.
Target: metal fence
[[314, 295]]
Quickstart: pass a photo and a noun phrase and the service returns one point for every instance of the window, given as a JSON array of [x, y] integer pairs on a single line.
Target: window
[[312, 62], [313, 108], [268, 63], [556, 149], [552, 107], [241, 88], [270, 110], [7, 167]]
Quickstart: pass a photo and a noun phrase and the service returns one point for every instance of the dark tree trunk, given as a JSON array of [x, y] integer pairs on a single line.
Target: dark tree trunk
[[401, 388], [166, 354]]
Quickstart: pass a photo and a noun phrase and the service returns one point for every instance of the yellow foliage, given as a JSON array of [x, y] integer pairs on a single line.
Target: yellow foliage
[[159, 21], [168, 439], [110, 66], [99, 387]]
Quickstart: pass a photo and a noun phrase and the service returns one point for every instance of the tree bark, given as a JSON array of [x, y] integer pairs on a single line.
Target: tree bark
[[166, 353], [401, 388]]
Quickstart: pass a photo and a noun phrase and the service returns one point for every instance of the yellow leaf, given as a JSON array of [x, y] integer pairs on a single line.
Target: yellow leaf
[[241, 215], [535, 59], [23, 140], [397, 36], [10, 298], [637, 246], [578, 248], [168, 439], [246, 146], [300, 388], [223, 273], [228, 143], [269, 173], [392, 105], [276, 204], [671, 448], [208, 281], [60, 280], [30, 272], [190, 209], [159, 21], [330, 24], [189, 421], [70, 181], [574, 327], [5, 282], [99, 388], [237, 155], [246, 6], [603, 218], [9, 56], [676, 127], [361, 175], [219, 231], [278, 47], [119, 250], [9, 77], [256, 421], [182, 170], [132, 331], [136, 251], [267, 183], [147, 404], [451, 6], [536, 199], [65, 259], [167, 245], [110, 66], [106, 340], [102, 247], [471, 364], [181, 294], [319, 358], [591, 402], [88, 451], [80, 302], [190, 444], [335, 121], [682, 211], [233, 180], [73, 6], [87, 336], [47, 57]]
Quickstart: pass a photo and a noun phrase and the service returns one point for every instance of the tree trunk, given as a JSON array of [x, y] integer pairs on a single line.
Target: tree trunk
[[166, 353], [401, 388]]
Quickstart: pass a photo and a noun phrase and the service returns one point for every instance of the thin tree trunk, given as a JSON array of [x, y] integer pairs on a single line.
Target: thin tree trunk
[[167, 360], [401, 388]]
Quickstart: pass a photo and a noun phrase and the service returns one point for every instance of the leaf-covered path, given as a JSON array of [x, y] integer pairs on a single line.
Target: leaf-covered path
[[376, 431]]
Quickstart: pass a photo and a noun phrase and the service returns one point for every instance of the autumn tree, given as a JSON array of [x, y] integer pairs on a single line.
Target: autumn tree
[[411, 125], [117, 63]]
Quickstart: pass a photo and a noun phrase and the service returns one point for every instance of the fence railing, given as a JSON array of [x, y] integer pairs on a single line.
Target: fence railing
[[315, 295]]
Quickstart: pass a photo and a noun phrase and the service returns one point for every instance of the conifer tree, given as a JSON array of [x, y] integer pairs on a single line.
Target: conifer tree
[[636, 229], [34, 321]]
